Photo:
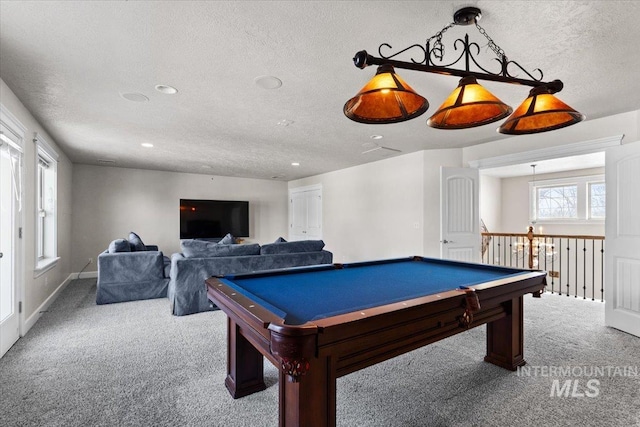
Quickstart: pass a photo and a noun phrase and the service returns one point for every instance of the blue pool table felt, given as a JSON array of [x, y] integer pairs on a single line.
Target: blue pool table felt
[[312, 295]]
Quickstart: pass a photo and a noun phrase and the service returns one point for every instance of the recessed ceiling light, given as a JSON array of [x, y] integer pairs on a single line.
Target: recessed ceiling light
[[135, 97], [268, 82], [295, 164], [285, 122], [166, 89], [376, 137], [147, 145]]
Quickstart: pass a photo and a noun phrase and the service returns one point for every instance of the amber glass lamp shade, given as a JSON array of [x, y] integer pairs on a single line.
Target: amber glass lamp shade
[[387, 98], [469, 105], [540, 112]]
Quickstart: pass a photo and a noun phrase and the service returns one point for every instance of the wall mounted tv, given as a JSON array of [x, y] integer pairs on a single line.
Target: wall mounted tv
[[211, 219]]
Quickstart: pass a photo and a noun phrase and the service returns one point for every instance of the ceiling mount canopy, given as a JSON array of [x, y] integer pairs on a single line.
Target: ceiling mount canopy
[[388, 99]]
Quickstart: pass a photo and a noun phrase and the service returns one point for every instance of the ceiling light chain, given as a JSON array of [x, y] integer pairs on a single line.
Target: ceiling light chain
[[438, 47], [492, 45]]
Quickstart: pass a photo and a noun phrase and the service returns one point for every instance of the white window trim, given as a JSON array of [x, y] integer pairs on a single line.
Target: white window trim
[[583, 199], [12, 133], [46, 151], [589, 201]]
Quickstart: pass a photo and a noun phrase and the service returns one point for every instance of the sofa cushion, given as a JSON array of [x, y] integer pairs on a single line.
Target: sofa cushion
[[292, 247], [119, 245], [203, 249], [227, 240], [136, 242], [280, 240]]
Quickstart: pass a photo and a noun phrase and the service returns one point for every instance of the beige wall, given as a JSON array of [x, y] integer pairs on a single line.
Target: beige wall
[[110, 202], [37, 290], [384, 209]]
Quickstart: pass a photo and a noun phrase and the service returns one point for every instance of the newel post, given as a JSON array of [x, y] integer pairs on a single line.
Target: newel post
[[530, 237]]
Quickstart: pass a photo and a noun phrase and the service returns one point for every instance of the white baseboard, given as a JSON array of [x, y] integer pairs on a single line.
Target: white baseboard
[[31, 320], [85, 275]]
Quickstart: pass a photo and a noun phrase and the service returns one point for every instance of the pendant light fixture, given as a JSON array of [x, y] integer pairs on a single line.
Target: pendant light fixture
[[469, 105], [389, 99], [541, 112]]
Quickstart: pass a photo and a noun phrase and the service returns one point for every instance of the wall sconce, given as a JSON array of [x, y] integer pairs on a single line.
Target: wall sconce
[[387, 98]]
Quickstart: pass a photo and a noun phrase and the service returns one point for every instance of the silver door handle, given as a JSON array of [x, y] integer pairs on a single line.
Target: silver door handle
[[445, 241]]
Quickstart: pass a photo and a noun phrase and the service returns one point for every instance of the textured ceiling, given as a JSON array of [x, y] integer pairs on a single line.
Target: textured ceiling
[[70, 62]]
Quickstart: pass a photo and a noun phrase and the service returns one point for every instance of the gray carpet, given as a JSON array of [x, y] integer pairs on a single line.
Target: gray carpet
[[135, 364]]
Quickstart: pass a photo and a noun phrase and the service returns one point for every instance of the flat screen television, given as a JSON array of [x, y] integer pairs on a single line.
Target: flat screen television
[[212, 219]]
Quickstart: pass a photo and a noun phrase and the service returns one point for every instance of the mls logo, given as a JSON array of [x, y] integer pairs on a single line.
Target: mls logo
[[573, 388]]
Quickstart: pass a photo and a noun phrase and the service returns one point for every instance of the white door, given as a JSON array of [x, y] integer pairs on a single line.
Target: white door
[[305, 213], [460, 214], [298, 216], [314, 214], [9, 195], [622, 236]]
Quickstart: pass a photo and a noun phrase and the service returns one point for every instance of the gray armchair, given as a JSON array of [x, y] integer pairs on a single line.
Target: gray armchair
[[126, 275]]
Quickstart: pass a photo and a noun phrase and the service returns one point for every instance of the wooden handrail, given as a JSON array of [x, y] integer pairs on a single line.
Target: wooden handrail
[[531, 236], [559, 236]]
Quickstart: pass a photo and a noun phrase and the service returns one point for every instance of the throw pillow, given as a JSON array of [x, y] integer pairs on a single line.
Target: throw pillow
[[227, 240], [119, 245], [280, 240], [136, 242], [292, 247]]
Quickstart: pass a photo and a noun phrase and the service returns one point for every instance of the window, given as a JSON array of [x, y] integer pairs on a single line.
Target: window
[[46, 209], [597, 200], [557, 202], [568, 199]]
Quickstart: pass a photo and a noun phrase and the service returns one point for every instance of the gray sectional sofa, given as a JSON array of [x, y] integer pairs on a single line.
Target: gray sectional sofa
[[129, 270], [200, 260]]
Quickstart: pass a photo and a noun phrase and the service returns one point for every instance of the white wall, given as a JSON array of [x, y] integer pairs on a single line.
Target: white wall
[[491, 202], [110, 202], [384, 209], [37, 290], [369, 211]]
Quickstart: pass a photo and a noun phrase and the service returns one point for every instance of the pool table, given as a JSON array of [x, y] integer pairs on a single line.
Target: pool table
[[319, 323]]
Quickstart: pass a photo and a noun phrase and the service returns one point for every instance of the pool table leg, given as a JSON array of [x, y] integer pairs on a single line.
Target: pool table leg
[[244, 364], [505, 337], [312, 400]]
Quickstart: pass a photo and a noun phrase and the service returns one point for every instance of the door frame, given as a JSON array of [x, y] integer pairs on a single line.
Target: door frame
[[19, 130]]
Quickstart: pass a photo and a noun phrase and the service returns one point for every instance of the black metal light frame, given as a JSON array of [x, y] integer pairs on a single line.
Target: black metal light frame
[[465, 16]]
